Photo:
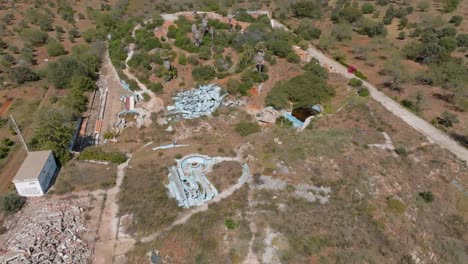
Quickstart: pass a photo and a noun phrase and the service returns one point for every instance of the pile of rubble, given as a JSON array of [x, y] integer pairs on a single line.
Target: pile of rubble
[[268, 115], [47, 233], [195, 103]]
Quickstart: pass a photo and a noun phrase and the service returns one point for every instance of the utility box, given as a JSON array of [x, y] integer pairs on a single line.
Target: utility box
[[36, 172]]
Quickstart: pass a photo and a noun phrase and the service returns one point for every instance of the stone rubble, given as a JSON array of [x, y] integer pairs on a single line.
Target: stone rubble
[[268, 115], [198, 102], [47, 233]]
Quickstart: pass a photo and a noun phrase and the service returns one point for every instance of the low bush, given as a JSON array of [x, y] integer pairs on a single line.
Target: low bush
[[293, 57], [401, 151], [316, 69], [410, 105], [428, 197], [360, 75], [395, 205], [245, 128], [354, 82], [182, 59], [94, 153], [283, 122], [146, 97], [230, 224], [203, 73], [11, 202], [364, 92]]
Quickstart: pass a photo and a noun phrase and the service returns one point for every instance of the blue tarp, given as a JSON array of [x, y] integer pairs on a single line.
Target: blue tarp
[[296, 122]]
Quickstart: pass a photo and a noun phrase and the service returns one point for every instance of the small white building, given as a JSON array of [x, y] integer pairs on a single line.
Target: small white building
[[34, 175]]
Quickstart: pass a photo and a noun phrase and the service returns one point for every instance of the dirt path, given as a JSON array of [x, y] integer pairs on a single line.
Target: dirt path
[[430, 132], [155, 104], [109, 244], [110, 80], [108, 227]]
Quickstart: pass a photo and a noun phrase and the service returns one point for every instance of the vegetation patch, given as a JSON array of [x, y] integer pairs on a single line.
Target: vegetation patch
[[96, 153]]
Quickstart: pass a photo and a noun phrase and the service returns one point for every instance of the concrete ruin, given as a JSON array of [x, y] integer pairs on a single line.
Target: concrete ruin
[[188, 183], [46, 232], [198, 102]]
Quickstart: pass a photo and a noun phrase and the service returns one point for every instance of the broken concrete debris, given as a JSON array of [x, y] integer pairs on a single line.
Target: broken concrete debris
[[268, 115], [198, 102], [48, 234], [188, 183]]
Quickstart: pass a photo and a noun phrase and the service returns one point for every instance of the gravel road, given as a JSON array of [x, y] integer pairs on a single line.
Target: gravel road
[[430, 132]]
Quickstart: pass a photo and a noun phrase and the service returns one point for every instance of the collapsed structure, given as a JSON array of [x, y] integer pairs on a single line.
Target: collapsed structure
[[198, 102], [188, 183], [46, 232]]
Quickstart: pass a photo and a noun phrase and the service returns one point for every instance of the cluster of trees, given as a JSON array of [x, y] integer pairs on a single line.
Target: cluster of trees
[[82, 65], [346, 13], [434, 48], [434, 45], [77, 72], [309, 9], [145, 39], [307, 89]]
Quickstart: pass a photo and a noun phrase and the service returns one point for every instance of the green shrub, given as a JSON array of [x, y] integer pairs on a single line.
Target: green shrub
[[428, 197], [447, 119], [401, 151], [303, 90], [360, 75], [55, 48], [456, 20], [234, 87], [203, 73], [316, 69], [34, 36], [364, 92], [156, 87], [146, 97], [182, 59], [8, 142], [22, 74], [205, 53], [367, 8], [94, 153], [245, 128], [193, 60], [230, 224], [395, 205], [280, 48], [410, 105], [354, 82], [109, 135], [310, 9], [11, 202], [293, 57], [283, 122]]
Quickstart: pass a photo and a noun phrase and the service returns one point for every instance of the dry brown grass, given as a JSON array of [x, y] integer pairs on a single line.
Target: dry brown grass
[[225, 174], [79, 176]]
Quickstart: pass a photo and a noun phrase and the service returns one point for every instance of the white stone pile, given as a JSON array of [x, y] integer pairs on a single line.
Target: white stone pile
[[198, 102], [50, 234]]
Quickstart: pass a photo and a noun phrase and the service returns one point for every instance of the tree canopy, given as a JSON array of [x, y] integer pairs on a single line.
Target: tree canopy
[[303, 90]]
